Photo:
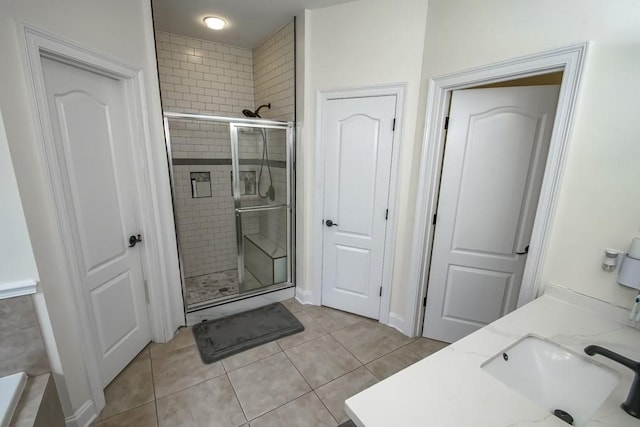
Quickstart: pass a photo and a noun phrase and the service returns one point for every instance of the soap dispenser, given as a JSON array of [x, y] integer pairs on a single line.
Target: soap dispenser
[[629, 274]]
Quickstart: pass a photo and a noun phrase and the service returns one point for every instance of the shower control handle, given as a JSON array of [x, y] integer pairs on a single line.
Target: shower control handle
[[330, 223]]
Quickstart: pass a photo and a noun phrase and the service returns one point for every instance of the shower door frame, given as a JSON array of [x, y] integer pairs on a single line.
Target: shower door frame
[[239, 210], [234, 124]]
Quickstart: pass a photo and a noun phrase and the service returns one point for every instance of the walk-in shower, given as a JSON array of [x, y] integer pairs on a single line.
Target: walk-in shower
[[232, 182]]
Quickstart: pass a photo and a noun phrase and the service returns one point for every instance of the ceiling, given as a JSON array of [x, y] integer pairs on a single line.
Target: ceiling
[[249, 22]]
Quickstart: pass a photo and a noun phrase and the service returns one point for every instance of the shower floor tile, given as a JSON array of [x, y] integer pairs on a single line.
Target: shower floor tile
[[216, 285], [212, 286]]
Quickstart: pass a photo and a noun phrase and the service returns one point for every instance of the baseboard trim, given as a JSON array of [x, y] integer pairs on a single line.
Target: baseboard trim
[[304, 297], [84, 415], [397, 322]]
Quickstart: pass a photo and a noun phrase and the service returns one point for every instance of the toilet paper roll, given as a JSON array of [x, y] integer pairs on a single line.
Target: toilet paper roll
[[634, 249]]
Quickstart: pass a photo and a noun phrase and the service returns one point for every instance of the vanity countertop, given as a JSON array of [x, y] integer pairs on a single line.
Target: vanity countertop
[[449, 388]]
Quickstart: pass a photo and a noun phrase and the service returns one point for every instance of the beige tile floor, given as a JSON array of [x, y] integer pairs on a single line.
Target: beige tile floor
[[300, 380]]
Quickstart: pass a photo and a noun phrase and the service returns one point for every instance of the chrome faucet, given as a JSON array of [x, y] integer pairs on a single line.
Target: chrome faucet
[[632, 405]]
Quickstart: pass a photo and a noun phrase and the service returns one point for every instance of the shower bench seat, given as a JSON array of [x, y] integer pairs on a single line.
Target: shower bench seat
[[265, 259]]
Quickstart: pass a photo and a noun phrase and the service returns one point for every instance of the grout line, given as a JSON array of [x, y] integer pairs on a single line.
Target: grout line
[[235, 393], [362, 319], [298, 370], [224, 368], [96, 421], [153, 385], [371, 372], [373, 360], [326, 407], [255, 361], [195, 384], [305, 342], [313, 390], [343, 346], [165, 353], [279, 406], [335, 379], [120, 374]]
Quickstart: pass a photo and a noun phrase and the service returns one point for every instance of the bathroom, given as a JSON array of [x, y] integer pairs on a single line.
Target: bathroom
[[356, 44]]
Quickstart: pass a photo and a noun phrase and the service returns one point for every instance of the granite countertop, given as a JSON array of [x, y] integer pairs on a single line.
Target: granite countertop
[[449, 388]]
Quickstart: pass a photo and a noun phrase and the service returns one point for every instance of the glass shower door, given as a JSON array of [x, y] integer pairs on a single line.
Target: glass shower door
[[261, 190]]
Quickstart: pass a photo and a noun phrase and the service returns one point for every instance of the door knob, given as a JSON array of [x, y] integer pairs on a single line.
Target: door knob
[[526, 251], [330, 223], [134, 239]]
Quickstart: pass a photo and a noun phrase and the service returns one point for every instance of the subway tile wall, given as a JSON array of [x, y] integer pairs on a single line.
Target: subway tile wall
[[198, 76], [207, 228], [273, 76], [273, 224]]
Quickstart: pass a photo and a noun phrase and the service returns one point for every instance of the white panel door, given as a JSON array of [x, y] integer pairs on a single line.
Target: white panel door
[[494, 160], [93, 139], [358, 140]]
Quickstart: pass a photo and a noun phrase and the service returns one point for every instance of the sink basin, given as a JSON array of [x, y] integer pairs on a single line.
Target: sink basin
[[554, 377]]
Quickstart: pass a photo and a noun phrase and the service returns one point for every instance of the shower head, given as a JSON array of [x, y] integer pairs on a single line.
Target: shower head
[[255, 114]]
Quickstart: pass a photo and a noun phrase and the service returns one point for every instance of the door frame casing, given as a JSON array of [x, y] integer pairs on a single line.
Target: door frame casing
[[570, 60], [161, 310], [322, 97]]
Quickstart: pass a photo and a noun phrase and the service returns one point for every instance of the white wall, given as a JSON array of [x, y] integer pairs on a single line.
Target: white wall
[[599, 202], [121, 29], [362, 43], [16, 256]]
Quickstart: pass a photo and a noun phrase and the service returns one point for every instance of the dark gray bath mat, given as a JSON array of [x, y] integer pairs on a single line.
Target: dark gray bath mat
[[220, 338]]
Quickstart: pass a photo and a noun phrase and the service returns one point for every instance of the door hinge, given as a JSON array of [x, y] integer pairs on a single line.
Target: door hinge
[[386, 214], [380, 290], [146, 290], [446, 123], [393, 126], [435, 217], [424, 302]]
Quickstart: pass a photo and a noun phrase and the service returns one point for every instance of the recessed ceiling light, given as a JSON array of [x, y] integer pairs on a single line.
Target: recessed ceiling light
[[214, 22]]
